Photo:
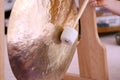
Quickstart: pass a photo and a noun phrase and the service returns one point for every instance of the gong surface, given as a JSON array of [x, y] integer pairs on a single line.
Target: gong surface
[[34, 47]]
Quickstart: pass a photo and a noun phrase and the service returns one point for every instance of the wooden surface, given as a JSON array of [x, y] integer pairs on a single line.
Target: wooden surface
[[91, 53], [70, 76], [1, 39], [109, 29]]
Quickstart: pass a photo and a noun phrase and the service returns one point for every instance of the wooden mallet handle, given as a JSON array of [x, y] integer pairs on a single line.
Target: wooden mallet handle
[[80, 12]]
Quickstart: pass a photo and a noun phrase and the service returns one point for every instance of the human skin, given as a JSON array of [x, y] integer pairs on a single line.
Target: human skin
[[112, 5]]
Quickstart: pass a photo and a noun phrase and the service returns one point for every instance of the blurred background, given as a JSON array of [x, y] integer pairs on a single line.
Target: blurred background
[[108, 31]]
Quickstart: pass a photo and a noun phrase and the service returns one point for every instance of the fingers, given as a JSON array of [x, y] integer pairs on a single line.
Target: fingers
[[97, 3], [93, 3]]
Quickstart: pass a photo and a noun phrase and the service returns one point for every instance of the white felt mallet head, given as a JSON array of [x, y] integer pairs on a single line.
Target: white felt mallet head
[[69, 35]]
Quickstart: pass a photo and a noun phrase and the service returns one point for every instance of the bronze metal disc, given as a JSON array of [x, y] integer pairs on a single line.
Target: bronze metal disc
[[34, 47]]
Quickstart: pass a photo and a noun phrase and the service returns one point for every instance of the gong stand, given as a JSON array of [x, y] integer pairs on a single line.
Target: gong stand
[[2, 40], [91, 53]]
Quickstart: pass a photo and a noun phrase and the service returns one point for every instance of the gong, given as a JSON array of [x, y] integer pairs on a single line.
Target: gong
[[34, 47]]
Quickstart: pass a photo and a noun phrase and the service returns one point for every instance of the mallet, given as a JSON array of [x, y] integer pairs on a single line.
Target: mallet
[[69, 34]]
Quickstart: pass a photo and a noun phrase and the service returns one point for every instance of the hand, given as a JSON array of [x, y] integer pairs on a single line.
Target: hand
[[111, 5], [97, 3]]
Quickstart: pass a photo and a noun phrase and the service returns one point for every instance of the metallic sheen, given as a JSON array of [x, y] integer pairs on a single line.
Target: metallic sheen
[[34, 48]]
